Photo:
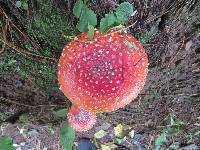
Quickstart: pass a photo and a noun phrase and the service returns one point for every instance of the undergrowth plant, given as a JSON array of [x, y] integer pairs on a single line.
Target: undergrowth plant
[[22, 4], [175, 127], [88, 19], [6, 143]]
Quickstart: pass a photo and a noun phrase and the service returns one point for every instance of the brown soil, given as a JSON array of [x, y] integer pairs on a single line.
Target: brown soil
[[172, 86]]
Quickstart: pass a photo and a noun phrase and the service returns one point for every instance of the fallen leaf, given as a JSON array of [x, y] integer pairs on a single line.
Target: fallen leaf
[[105, 147], [100, 134], [118, 130]]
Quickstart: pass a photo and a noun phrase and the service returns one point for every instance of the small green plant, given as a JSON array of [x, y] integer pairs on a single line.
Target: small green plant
[[88, 19], [194, 134], [146, 36], [67, 136], [67, 133], [172, 130], [60, 113], [118, 17], [6, 143], [22, 4]]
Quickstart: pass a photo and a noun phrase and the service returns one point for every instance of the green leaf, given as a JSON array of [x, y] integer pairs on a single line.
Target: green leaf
[[197, 133], [107, 22], [85, 16], [6, 143], [160, 140], [111, 19], [83, 22], [62, 113], [90, 32], [67, 136], [25, 5], [78, 8], [180, 123], [18, 4], [172, 130], [92, 17], [124, 11], [118, 140], [103, 25]]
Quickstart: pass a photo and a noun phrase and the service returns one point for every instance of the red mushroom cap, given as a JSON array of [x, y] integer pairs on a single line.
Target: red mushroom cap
[[80, 119], [104, 74]]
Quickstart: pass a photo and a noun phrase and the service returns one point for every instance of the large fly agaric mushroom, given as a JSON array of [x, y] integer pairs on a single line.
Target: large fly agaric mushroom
[[103, 74], [80, 119]]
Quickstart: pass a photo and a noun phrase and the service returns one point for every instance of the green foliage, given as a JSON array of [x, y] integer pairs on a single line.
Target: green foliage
[[22, 4], [25, 5], [92, 17], [78, 8], [88, 19], [124, 11], [191, 136], [18, 4], [107, 22], [62, 113], [83, 21], [85, 15], [6, 143], [67, 136], [194, 134], [165, 134], [146, 36], [111, 19], [103, 25], [174, 128], [90, 31], [160, 140]]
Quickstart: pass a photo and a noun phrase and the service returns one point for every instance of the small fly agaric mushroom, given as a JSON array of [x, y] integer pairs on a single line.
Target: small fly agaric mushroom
[[103, 74], [80, 119]]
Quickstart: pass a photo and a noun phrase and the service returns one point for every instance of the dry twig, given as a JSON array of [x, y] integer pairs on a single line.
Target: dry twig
[[28, 54], [26, 105]]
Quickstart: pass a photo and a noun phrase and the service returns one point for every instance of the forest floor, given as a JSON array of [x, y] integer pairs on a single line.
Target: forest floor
[[166, 111]]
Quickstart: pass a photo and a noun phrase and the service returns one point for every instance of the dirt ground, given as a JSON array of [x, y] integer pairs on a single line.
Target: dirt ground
[[172, 87]]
